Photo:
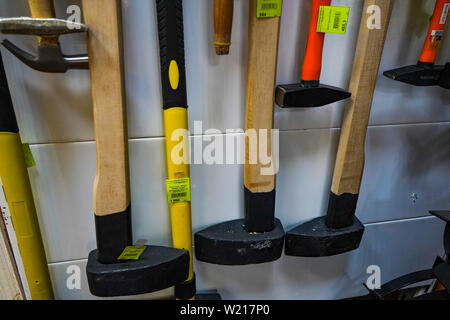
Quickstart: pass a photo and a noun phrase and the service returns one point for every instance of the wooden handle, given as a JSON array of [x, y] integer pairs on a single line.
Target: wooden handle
[[11, 287], [223, 25], [350, 157], [104, 41], [261, 73]]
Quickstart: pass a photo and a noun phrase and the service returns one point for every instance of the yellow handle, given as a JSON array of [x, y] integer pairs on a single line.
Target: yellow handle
[[43, 9], [16, 185], [174, 120]]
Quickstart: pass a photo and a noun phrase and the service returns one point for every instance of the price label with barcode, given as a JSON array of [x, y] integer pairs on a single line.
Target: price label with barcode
[[333, 19], [269, 8], [178, 190]]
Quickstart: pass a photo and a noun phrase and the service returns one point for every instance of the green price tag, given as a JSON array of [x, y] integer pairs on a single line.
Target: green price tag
[[268, 8], [333, 19], [132, 253], [29, 159], [178, 190]]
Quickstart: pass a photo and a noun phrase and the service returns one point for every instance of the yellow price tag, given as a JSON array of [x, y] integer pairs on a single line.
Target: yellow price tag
[[269, 8], [178, 190], [29, 159], [132, 253], [333, 19]]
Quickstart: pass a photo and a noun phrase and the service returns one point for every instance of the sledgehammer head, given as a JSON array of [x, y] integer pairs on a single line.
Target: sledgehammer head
[[308, 94], [229, 243], [315, 239], [158, 268], [422, 74]]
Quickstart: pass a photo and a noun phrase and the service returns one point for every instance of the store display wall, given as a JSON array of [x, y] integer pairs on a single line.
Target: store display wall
[[407, 162]]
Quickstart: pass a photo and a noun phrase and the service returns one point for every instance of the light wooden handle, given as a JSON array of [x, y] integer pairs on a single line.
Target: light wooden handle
[[223, 25], [261, 73], [104, 41], [350, 157]]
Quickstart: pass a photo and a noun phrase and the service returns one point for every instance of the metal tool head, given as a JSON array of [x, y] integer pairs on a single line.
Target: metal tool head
[[49, 57], [40, 26], [444, 80], [445, 216], [229, 243], [315, 239], [308, 94], [158, 268], [418, 75]]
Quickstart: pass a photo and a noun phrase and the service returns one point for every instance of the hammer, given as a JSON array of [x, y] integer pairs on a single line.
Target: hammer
[[425, 72], [340, 231], [158, 267], [310, 92], [48, 29], [259, 237], [223, 25]]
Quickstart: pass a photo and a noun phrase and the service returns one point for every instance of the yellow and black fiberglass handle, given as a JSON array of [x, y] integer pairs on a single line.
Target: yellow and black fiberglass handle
[[17, 188], [173, 79]]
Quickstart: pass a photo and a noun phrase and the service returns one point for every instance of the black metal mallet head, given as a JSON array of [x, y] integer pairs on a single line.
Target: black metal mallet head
[[49, 57], [155, 269], [338, 232], [308, 94], [258, 238], [421, 74]]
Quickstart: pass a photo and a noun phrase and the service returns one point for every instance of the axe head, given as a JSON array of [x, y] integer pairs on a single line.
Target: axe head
[[421, 74], [229, 243], [305, 95], [158, 268]]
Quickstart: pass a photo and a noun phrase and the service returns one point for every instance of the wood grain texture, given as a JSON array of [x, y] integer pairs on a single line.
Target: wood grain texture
[[223, 25], [104, 41], [10, 286], [262, 66], [350, 157]]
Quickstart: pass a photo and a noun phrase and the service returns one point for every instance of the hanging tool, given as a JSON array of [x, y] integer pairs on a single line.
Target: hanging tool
[[310, 92], [340, 231], [48, 29], [174, 96], [425, 72], [223, 25], [259, 237], [157, 268], [440, 271], [17, 189]]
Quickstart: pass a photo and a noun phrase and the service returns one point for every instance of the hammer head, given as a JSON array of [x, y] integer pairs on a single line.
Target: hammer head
[[315, 239], [305, 95], [158, 268], [49, 57], [418, 75], [229, 244]]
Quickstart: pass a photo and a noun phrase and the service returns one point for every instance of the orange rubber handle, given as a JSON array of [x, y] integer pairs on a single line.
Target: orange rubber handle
[[435, 32], [312, 64]]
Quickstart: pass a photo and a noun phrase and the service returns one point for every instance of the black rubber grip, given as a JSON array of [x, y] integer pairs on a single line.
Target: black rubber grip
[[341, 210], [8, 121], [259, 211], [113, 235], [171, 46]]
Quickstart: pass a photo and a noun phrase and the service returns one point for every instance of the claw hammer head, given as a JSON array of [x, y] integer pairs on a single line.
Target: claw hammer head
[[49, 57]]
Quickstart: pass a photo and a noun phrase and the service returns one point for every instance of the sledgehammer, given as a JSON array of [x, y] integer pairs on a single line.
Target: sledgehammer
[[157, 267], [310, 92], [425, 72], [259, 237], [340, 231]]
